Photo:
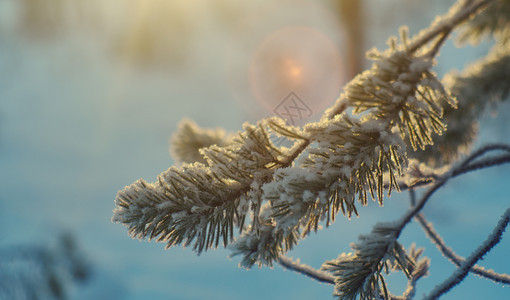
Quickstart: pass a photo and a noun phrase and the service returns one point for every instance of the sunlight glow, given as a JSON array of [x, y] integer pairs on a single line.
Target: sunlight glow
[[297, 59], [293, 69]]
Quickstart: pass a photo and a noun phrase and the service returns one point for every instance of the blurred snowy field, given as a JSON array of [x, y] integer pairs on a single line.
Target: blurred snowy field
[[85, 111]]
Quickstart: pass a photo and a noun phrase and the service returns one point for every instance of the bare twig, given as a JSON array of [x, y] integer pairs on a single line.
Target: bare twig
[[467, 165], [448, 28], [450, 254], [485, 149], [456, 259], [489, 162], [448, 24], [417, 208], [306, 270], [435, 49], [464, 268]]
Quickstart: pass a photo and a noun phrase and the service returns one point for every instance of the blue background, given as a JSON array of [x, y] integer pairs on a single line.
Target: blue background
[[77, 125]]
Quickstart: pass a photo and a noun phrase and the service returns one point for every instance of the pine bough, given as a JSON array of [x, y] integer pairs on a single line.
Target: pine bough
[[385, 132]]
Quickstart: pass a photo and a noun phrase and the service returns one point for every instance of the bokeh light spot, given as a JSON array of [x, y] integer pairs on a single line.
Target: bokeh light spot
[[297, 59]]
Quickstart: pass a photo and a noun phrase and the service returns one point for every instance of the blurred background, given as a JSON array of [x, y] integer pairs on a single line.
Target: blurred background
[[91, 91]]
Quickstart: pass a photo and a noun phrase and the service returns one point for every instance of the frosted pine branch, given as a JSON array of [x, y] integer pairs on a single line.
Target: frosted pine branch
[[398, 96], [260, 199], [201, 204], [41, 272], [360, 274]]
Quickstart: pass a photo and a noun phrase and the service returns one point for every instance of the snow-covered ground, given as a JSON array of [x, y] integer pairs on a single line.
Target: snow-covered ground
[[78, 122]]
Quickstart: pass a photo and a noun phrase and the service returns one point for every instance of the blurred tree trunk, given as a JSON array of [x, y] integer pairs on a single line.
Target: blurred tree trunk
[[42, 18], [351, 16]]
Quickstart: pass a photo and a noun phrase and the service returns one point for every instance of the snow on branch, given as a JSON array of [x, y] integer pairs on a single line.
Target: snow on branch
[[398, 98], [306, 270]]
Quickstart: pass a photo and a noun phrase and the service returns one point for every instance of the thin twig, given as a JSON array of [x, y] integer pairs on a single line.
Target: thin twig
[[488, 162], [464, 268], [485, 149], [410, 291], [454, 172], [466, 166], [416, 209], [306, 270], [456, 259], [450, 254], [447, 24], [433, 52], [463, 168], [446, 33]]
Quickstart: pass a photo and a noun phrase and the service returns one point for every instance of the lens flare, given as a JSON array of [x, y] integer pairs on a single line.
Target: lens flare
[[299, 60]]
